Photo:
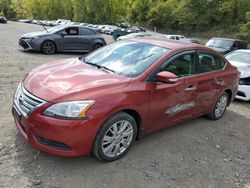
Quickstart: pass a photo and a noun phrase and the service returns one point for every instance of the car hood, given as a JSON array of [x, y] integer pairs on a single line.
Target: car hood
[[34, 34], [244, 68], [61, 79]]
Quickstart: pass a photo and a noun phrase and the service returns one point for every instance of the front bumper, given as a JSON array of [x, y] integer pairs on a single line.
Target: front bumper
[[60, 137], [29, 44], [243, 92]]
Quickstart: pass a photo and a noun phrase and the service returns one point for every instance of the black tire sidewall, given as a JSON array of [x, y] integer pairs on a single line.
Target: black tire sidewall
[[98, 141], [96, 46]]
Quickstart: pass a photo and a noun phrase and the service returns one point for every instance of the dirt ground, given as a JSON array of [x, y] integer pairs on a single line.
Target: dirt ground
[[197, 154]]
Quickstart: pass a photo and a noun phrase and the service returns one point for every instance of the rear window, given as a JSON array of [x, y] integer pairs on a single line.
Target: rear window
[[220, 43]]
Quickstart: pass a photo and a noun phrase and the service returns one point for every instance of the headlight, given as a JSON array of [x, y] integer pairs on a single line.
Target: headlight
[[34, 38], [69, 110]]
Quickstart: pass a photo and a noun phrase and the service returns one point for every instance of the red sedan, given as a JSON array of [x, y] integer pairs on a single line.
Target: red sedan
[[102, 102]]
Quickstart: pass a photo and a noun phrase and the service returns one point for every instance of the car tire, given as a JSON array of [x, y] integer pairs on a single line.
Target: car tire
[[115, 137], [219, 107], [48, 47], [96, 46]]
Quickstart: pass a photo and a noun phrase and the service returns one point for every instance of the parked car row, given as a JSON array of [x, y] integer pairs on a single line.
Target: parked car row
[[105, 29]]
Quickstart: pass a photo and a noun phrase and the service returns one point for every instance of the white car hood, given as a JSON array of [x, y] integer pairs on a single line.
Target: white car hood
[[244, 68]]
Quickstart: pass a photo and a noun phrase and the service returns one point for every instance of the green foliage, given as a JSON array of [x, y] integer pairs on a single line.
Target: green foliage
[[188, 16], [245, 28]]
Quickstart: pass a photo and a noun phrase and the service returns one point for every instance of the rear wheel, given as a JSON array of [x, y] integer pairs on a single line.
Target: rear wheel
[[115, 137], [220, 107], [48, 47]]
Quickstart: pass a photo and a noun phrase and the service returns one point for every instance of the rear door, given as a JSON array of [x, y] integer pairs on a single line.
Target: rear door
[[86, 38], [210, 80], [174, 102]]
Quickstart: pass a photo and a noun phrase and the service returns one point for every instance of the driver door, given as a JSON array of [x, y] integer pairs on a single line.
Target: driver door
[[70, 39], [171, 103]]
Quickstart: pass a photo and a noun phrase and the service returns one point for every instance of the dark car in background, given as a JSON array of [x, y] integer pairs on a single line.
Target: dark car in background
[[3, 19], [225, 45], [64, 38]]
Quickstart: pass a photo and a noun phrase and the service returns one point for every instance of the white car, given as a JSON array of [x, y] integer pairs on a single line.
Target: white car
[[241, 60], [174, 37], [134, 35]]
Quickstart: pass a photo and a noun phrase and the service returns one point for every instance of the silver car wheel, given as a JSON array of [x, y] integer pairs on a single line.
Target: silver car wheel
[[221, 106], [117, 138], [49, 47]]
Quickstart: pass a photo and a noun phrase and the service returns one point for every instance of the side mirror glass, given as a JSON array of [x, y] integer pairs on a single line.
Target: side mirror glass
[[166, 77]]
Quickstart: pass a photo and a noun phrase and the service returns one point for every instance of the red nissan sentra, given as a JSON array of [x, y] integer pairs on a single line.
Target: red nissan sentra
[[102, 102]]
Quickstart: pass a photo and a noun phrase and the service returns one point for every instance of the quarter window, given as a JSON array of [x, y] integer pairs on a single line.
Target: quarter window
[[183, 65]]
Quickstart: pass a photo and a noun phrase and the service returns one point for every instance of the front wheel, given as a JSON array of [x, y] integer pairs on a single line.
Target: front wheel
[[220, 107], [48, 47], [115, 137]]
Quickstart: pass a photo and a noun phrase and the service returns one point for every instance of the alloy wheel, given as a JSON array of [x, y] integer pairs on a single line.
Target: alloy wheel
[[221, 106], [117, 138], [49, 47]]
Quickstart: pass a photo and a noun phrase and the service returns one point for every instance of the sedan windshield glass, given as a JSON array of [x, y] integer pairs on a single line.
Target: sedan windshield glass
[[127, 58], [219, 43], [239, 56], [55, 29]]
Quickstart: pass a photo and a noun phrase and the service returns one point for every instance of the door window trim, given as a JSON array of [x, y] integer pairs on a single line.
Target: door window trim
[[151, 77]]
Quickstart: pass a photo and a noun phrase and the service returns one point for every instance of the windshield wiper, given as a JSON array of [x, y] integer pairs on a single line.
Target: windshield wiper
[[99, 66]]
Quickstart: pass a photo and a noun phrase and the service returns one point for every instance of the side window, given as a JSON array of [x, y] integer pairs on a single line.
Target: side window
[[71, 31], [84, 31], [177, 38], [242, 45], [208, 62], [183, 65]]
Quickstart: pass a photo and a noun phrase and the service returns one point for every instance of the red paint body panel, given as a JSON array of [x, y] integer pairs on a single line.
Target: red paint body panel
[[70, 79]]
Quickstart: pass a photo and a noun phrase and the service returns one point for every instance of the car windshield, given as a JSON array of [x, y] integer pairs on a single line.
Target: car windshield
[[220, 43], [127, 58], [239, 56], [55, 29]]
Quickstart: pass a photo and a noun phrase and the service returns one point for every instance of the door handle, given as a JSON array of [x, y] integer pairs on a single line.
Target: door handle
[[220, 82], [190, 88]]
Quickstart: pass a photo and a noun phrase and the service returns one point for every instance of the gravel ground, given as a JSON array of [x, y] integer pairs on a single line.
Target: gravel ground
[[199, 153]]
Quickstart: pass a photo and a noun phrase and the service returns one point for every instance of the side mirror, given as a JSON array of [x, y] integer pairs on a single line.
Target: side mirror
[[166, 77]]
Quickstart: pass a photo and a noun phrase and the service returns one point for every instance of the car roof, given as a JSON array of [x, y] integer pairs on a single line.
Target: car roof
[[219, 38], [169, 43]]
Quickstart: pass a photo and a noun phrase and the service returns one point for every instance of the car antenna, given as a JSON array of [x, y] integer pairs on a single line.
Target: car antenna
[[43, 26]]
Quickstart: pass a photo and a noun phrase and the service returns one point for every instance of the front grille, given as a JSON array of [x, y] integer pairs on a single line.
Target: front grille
[[23, 44], [25, 101], [245, 81], [241, 94]]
